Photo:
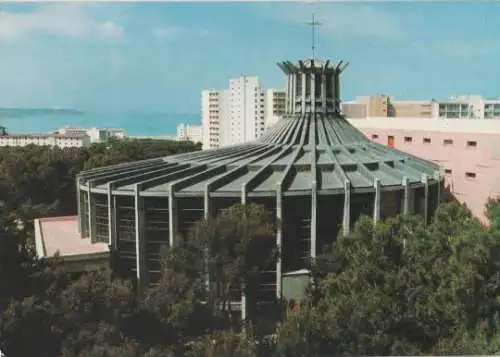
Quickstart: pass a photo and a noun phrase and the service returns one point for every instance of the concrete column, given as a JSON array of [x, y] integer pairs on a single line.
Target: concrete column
[[279, 238], [242, 285], [289, 93], [337, 91], [426, 197], [172, 218], [207, 212], [79, 205], [303, 96], [314, 203], [207, 202], [323, 93], [294, 93], [437, 177], [243, 302], [346, 222], [334, 91], [313, 92], [91, 208], [406, 196], [113, 242], [140, 240], [376, 203]]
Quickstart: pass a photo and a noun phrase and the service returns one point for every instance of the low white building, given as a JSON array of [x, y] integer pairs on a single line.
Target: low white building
[[45, 139], [96, 135]]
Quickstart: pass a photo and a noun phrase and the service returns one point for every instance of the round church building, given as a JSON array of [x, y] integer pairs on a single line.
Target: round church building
[[313, 170]]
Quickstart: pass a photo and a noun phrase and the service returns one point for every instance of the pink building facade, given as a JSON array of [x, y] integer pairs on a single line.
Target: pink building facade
[[468, 151]]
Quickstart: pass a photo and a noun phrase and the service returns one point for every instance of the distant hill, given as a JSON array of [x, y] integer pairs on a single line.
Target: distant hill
[[25, 112]]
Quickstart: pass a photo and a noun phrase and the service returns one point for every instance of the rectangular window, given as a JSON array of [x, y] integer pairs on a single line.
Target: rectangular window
[[470, 175], [448, 142], [374, 136], [427, 140], [471, 144], [390, 141], [447, 171], [408, 139]]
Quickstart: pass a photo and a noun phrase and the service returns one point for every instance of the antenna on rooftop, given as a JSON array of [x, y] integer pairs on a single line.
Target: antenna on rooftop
[[313, 25]]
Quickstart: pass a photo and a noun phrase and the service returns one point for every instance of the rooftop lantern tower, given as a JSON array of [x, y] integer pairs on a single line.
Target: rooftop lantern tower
[[313, 86]]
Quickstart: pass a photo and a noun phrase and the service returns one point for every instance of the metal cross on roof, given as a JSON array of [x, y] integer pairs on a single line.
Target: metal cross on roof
[[313, 25]]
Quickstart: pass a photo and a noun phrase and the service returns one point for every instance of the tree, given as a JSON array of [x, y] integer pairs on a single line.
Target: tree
[[16, 260], [492, 212], [173, 311], [298, 335], [237, 244], [364, 297], [399, 287], [96, 303], [225, 344], [29, 327]]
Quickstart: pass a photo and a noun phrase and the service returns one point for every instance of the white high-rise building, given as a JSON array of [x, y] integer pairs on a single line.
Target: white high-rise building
[[275, 106], [239, 113], [211, 104], [187, 132]]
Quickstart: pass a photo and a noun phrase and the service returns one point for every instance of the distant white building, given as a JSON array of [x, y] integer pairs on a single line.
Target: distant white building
[[187, 132], [467, 106], [46, 139], [96, 135], [239, 113], [65, 137]]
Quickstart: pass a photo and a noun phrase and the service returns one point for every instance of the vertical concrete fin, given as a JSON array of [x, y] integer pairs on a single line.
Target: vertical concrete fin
[[314, 204], [172, 217], [140, 240], [92, 218], [406, 196], [376, 203], [346, 222], [426, 198]]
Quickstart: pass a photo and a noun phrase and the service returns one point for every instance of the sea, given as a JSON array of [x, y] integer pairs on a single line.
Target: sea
[[134, 123]]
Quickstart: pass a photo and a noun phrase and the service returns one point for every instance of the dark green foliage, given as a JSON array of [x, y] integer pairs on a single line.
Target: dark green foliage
[[399, 288], [236, 245], [492, 212], [172, 311], [37, 182]]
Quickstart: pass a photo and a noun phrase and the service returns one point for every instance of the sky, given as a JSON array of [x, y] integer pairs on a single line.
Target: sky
[[157, 57]]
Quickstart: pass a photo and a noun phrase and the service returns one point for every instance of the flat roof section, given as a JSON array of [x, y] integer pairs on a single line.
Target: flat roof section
[[60, 234], [477, 126]]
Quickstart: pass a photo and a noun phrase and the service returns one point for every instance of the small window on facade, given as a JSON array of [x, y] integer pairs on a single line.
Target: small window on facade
[[374, 136], [427, 140], [447, 171], [471, 144], [448, 142], [470, 175], [408, 139]]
